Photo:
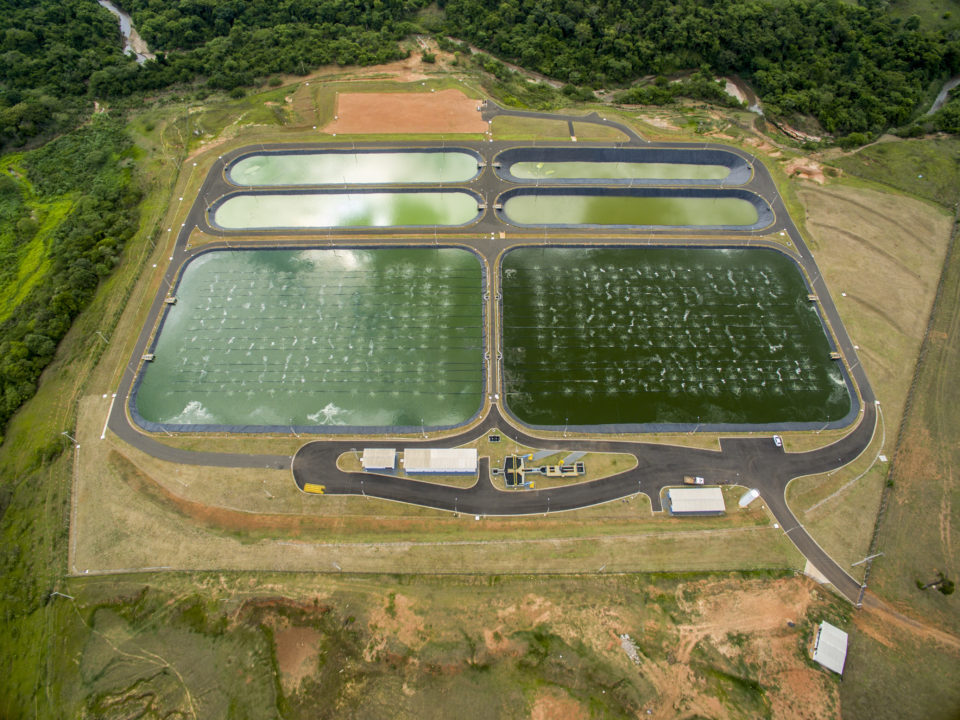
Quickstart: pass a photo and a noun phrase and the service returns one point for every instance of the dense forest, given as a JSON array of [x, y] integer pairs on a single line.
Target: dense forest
[[854, 68], [90, 171]]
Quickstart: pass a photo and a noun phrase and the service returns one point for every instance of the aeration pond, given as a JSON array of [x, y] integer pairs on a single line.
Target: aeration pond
[[635, 338], [323, 339]]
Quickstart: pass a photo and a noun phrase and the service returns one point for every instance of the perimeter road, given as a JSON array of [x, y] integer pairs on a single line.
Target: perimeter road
[[744, 461]]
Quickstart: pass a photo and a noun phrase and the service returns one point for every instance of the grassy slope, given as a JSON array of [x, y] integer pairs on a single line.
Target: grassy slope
[[924, 507], [32, 260]]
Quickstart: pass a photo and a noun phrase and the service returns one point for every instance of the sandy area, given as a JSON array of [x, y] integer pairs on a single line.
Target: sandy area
[[447, 111]]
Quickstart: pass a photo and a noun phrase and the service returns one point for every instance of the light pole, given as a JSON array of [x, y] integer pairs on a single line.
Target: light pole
[[105, 340], [72, 438]]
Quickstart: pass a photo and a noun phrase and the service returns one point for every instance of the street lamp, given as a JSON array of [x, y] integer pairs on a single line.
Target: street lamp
[[72, 438]]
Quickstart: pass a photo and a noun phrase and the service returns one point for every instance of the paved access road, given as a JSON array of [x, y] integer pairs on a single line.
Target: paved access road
[[751, 462]]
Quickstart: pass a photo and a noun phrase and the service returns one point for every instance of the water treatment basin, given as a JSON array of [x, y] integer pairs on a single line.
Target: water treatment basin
[[323, 340], [349, 167], [635, 208], [633, 166], [304, 209], [640, 339]]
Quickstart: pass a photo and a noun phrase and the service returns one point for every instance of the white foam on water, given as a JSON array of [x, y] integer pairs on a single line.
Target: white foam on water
[[193, 414]]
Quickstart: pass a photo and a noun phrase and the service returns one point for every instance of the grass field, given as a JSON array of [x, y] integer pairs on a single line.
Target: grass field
[[924, 507], [506, 127], [926, 168], [893, 673], [883, 279]]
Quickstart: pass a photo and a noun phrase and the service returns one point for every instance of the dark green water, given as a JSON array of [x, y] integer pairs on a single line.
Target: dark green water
[[604, 336], [547, 170], [321, 337], [355, 167], [358, 209], [537, 209]]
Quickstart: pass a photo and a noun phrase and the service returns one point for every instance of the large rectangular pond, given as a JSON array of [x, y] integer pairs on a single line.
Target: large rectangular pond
[[339, 167], [622, 207], [356, 209], [372, 338], [588, 170], [638, 336], [623, 165]]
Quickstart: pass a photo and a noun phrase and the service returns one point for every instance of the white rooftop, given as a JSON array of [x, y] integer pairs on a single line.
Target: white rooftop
[[696, 500], [830, 649], [748, 497], [440, 460], [379, 458]]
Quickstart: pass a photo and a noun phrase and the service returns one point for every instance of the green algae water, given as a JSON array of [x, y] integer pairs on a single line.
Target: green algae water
[[326, 168], [548, 170], [261, 211], [279, 338], [589, 209], [622, 336]]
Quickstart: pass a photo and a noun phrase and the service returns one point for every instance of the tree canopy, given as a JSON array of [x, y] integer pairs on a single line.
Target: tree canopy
[[854, 68]]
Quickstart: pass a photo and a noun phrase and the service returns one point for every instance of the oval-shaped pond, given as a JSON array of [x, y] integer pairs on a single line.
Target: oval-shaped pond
[[660, 166], [639, 207], [359, 208], [354, 167], [323, 339]]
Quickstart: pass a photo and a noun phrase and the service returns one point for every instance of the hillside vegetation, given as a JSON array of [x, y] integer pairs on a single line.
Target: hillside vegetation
[[853, 68]]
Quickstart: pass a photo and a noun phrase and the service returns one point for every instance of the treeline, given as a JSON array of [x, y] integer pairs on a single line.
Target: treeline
[[56, 56], [855, 69], [48, 51], [93, 166], [701, 85]]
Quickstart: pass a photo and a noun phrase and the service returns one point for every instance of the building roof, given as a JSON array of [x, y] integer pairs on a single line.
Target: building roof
[[830, 649], [440, 460], [378, 458], [696, 500], [748, 497]]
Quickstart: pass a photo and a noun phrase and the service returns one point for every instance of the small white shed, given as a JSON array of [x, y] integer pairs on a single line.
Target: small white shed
[[379, 458], [696, 501], [830, 648]]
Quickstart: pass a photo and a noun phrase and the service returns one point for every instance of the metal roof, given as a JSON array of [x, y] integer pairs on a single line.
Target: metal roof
[[379, 458], [440, 460], [830, 649], [696, 500]]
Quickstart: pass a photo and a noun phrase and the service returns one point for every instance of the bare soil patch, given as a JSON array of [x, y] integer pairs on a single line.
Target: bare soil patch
[[555, 704], [447, 111], [297, 651], [806, 169]]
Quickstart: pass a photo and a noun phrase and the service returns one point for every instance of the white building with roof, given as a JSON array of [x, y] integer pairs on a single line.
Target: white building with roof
[[445, 461], [379, 459], [696, 501], [830, 648]]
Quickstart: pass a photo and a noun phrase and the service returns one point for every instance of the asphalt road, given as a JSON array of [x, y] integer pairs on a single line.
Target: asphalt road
[[751, 462]]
